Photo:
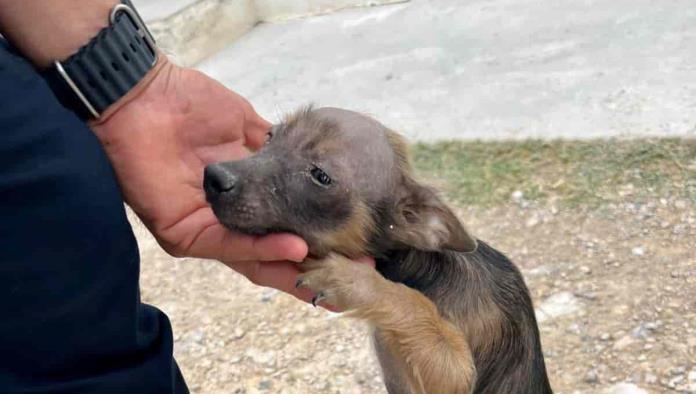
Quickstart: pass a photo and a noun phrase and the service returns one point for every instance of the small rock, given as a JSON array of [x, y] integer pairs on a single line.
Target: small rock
[[623, 342], [644, 330], [234, 359], [556, 305], [692, 376], [678, 370], [532, 221], [585, 270], [591, 377], [268, 295], [517, 195], [650, 378], [540, 271], [638, 251], [197, 336], [322, 386], [590, 296], [605, 337], [672, 383], [260, 357], [625, 388], [265, 385], [574, 328], [239, 333]]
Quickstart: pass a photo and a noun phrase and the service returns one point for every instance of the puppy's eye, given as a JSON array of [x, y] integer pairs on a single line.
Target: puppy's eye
[[320, 177]]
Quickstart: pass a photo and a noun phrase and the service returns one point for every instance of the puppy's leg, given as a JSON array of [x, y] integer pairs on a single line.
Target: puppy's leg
[[435, 354]]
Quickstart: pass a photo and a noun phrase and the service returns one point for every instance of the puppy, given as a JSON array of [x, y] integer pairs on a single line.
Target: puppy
[[450, 313]]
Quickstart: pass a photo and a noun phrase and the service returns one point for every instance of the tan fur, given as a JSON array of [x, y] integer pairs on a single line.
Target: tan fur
[[432, 354], [352, 238], [482, 330], [400, 147], [435, 354]]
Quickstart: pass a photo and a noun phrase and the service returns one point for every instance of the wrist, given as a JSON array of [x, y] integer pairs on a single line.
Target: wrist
[[142, 97]]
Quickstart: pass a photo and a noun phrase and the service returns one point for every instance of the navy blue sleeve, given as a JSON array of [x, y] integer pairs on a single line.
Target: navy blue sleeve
[[71, 320]]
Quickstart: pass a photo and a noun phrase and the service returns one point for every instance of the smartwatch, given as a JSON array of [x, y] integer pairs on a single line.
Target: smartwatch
[[108, 67]]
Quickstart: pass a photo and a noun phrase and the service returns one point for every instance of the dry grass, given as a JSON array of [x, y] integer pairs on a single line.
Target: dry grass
[[572, 172]]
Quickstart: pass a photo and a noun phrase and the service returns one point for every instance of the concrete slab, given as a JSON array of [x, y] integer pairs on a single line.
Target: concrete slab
[[275, 10], [482, 68], [152, 10]]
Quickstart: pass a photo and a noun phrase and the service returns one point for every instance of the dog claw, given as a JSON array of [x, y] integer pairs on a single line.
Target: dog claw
[[318, 298]]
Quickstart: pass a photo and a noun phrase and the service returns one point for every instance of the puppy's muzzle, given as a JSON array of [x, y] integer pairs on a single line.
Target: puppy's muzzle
[[219, 181]]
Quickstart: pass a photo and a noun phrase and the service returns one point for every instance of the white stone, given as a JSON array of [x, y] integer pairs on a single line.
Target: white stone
[[638, 251], [556, 305], [625, 388]]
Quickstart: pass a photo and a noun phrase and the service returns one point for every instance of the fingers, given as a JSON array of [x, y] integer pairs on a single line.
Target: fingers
[[255, 129], [274, 247], [280, 275]]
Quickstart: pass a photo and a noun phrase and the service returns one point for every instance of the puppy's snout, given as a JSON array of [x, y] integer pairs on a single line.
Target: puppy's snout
[[217, 180]]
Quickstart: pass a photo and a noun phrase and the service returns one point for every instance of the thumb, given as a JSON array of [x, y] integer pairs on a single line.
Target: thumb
[[256, 129]]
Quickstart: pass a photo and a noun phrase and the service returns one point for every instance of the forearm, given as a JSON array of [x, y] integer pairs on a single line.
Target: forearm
[[48, 30]]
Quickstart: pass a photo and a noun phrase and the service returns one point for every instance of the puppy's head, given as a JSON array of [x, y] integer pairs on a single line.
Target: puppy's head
[[341, 181]]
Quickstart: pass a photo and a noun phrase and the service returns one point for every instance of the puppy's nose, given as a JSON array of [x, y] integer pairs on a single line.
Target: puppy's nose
[[217, 179]]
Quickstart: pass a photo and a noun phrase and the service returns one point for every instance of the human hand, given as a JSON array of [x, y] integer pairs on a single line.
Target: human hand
[[160, 137]]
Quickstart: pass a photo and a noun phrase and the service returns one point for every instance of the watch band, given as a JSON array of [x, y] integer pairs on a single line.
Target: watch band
[[109, 66]]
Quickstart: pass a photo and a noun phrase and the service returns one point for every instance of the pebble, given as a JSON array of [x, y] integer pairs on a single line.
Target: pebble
[[643, 330], [517, 195], [532, 221], [625, 388], [678, 370], [672, 383], [650, 378], [558, 304], [197, 336], [267, 358], [638, 251], [591, 377], [268, 295], [623, 342], [239, 333], [265, 385], [692, 376]]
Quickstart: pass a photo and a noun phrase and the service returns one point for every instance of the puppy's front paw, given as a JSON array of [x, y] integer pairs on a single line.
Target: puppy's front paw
[[340, 282]]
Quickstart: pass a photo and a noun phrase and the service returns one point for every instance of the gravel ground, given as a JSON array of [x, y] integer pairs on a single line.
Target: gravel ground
[[615, 287]]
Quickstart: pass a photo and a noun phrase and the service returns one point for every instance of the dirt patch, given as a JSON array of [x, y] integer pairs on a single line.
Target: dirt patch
[[615, 277]]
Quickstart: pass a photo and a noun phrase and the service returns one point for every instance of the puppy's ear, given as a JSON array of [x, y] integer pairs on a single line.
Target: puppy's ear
[[423, 221]]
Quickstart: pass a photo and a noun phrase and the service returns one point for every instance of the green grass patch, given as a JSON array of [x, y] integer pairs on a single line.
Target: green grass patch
[[572, 172]]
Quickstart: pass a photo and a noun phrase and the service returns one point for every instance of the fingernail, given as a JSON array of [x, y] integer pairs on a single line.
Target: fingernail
[[317, 298]]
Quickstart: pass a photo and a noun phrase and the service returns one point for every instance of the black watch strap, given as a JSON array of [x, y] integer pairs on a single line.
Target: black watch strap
[[108, 67]]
